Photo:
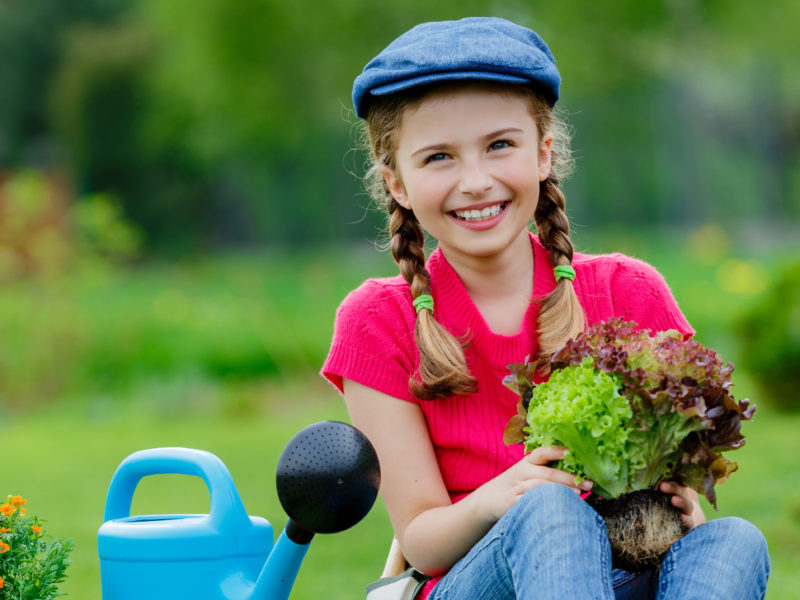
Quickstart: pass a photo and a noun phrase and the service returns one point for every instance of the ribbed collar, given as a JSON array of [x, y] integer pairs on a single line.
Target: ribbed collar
[[458, 313]]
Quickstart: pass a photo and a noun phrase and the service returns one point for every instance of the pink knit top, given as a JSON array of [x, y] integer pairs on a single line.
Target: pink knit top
[[373, 344]]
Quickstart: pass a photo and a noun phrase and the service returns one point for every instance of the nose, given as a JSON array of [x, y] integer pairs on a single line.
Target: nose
[[475, 178]]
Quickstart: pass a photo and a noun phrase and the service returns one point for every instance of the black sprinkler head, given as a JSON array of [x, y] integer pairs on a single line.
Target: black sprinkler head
[[328, 477]]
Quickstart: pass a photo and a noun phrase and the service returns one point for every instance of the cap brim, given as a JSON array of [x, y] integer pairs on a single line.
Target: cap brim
[[405, 84]]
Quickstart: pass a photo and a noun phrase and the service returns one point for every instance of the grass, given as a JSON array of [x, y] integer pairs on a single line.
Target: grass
[[62, 463], [230, 318], [221, 354]]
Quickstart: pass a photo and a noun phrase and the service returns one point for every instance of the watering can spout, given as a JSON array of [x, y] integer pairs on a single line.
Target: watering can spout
[[327, 479], [279, 572]]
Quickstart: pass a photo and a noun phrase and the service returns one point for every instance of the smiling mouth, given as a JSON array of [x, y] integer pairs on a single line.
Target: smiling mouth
[[479, 215]]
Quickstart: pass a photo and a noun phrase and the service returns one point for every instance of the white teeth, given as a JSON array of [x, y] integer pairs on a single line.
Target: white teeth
[[480, 215]]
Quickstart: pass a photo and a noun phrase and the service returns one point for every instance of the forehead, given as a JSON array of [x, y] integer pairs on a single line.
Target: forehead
[[447, 90], [465, 108]]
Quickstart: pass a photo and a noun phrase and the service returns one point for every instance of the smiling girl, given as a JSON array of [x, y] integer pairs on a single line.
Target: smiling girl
[[466, 147]]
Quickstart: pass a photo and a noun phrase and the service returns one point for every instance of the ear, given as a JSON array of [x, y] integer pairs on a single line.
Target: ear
[[545, 156], [396, 187]]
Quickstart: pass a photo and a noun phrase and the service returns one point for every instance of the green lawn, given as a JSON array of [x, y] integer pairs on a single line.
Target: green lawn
[[221, 354], [63, 463]]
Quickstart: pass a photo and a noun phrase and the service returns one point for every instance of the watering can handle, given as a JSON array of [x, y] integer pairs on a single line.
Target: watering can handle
[[227, 512]]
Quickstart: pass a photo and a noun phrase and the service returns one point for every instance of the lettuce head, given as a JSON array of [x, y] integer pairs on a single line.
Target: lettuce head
[[634, 409]]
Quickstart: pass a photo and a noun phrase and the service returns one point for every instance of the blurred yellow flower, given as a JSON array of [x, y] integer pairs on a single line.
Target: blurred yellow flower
[[16, 500], [709, 244], [742, 277]]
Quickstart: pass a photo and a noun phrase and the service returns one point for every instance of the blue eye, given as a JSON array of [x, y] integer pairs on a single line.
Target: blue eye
[[499, 145], [436, 157]]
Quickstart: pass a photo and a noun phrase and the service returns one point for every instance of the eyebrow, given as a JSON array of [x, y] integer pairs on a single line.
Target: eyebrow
[[488, 136]]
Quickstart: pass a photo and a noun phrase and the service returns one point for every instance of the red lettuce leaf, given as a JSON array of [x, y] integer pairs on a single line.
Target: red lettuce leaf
[[679, 391]]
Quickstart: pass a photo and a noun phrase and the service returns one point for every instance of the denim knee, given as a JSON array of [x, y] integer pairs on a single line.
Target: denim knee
[[547, 494], [554, 492], [747, 540], [553, 540], [553, 509], [723, 558]]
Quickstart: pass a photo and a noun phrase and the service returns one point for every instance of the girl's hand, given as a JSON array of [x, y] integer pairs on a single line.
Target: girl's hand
[[686, 500], [497, 495]]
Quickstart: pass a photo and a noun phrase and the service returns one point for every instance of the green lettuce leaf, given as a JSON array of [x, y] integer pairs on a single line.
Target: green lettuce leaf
[[681, 413], [580, 407]]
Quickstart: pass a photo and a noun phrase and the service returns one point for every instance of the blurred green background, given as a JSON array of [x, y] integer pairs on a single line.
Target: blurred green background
[[181, 213]]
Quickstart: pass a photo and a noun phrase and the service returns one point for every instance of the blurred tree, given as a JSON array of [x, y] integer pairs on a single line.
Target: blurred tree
[[266, 88], [229, 121], [769, 335], [100, 105], [30, 44], [684, 110], [261, 89]]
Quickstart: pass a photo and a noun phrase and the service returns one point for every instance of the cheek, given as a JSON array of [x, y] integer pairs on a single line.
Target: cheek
[[428, 189], [523, 175]]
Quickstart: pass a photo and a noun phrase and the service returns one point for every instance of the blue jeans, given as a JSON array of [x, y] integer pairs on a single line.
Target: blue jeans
[[553, 545]]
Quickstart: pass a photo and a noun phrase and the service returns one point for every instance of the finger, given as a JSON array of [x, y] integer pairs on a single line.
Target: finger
[[570, 480], [552, 475], [532, 483], [546, 454], [543, 456], [680, 498], [670, 487], [684, 504]]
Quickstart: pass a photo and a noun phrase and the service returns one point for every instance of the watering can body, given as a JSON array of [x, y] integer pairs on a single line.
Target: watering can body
[[328, 477], [217, 556]]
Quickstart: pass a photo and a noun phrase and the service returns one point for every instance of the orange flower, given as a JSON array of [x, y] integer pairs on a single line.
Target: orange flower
[[4, 547], [7, 509], [2, 583], [4, 530], [17, 500], [36, 529], [23, 511]]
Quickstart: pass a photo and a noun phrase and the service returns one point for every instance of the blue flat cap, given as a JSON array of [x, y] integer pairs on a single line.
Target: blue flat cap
[[485, 48]]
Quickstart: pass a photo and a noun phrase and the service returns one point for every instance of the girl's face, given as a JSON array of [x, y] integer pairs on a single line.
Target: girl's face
[[468, 163]]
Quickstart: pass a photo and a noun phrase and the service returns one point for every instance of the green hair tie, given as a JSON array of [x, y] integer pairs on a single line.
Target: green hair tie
[[423, 301], [564, 272]]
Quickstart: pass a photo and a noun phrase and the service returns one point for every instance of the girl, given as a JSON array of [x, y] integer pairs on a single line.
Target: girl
[[465, 145]]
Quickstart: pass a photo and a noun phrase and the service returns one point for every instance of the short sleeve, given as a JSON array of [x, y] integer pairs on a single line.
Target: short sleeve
[[640, 293], [373, 339]]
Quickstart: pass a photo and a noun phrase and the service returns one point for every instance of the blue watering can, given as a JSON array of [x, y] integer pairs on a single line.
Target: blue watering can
[[327, 480]]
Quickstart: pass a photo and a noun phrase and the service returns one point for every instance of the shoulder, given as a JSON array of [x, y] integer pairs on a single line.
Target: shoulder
[[604, 268], [376, 313], [620, 270], [376, 298], [373, 338], [636, 290]]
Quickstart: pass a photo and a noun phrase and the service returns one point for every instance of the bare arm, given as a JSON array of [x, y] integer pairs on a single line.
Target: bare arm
[[434, 533]]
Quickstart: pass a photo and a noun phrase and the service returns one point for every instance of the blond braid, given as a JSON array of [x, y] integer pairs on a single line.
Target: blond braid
[[443, 370], [560, 315], [442, 366]]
